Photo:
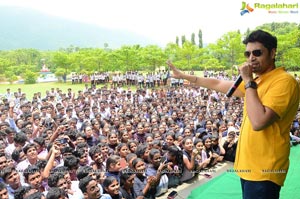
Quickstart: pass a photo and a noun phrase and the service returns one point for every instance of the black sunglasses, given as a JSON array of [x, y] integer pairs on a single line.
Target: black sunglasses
[[256, 53]]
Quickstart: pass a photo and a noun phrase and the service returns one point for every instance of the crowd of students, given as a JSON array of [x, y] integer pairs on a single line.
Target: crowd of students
[[114, 142], [129, 78]]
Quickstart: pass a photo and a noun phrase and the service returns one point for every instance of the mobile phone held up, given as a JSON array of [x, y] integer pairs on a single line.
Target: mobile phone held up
[[63, 140], [172, 195]]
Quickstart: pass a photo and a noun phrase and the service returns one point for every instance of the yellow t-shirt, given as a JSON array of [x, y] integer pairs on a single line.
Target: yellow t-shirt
[[264, 155]]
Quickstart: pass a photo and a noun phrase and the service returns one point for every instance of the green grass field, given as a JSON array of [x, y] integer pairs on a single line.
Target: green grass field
[[30, 89]]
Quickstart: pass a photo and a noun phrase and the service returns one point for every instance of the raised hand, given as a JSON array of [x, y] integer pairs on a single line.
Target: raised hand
[[176, 72]]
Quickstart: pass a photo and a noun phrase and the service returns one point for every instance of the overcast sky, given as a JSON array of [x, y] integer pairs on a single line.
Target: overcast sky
[[163, 20]]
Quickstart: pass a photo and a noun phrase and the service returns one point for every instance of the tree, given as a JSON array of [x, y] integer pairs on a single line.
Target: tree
[[298, 37], [61, 60], [172, 51], [229, 49], [152, 56], [30, 77], [10, 76], [226, 52], [4, 64], [187, 53], [127, 57], [200, 39], [292, 59], [193, 39], [287, 45], [183, 39], [60, 72]]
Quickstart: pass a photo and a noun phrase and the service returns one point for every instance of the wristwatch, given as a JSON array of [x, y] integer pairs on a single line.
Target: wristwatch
[[251, 84]]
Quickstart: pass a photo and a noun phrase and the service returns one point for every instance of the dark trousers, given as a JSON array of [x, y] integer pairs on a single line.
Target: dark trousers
[[260, 189]]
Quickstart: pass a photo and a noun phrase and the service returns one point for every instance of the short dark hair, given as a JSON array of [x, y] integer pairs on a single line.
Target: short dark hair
[[39, 140], [94, 150], [84, 182], [113, 159], [60, 169], [141, 149], [28, 146], [20, 138], [9, 130], [125, 174], [31, 169], [266, 39], [7, 171], [2, 186], [67, 149], [81, 135], [130, 156], [55, 192], [54, 178], [36, 195], [21, 191], [84, 171], [71, 161], [16, 155], [41, 164]]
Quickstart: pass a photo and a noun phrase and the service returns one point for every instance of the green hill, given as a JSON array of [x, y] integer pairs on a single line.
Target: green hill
[[27, 28]]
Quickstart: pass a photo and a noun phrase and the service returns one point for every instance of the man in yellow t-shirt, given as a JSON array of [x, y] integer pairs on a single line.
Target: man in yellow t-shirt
[[271, 100]]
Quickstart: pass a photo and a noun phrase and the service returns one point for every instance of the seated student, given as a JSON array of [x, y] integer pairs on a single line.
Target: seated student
[[104, 150], [126, 184], [56, 193], [31, 158], [174, 157], [132, 145], [129, 158], [97, 157], [230, 145], [82, 156], [189, 156], [3, 163], [170, 139], [89, 188], [12, 178], [58, 180], [34, 177], [72, 186], [3, 191], [36, 195], [143, 185], [217, 147], [40, 147], [140, 134], [83, 172], [156, 168], [112, 141], [71, 162], [112, 188], [201, 158], [113, 166], [23, 192], [122, 151], [209, 151], [142, 151]]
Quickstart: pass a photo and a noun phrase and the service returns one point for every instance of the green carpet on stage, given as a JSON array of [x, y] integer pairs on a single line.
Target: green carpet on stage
[[227, 185]]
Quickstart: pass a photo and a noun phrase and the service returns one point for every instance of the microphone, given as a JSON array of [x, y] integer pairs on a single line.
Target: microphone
[[234, 86]]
